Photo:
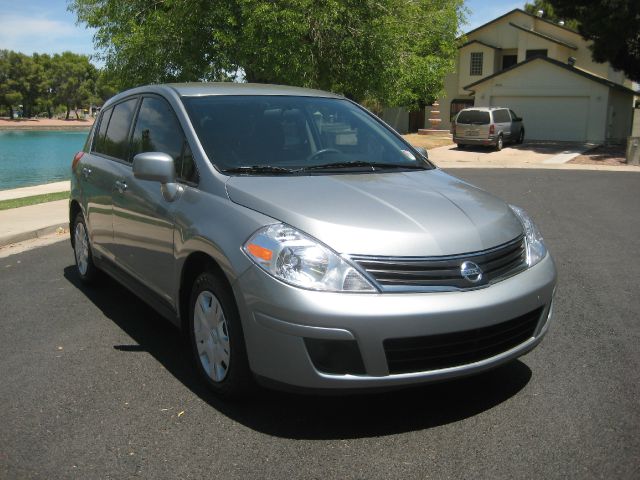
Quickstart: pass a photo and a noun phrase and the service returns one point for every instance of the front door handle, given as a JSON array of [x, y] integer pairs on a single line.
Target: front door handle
[[86, 172], [121, 186]]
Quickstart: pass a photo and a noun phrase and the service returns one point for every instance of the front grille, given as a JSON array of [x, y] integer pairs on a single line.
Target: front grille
[[415, 273], [434, 352]]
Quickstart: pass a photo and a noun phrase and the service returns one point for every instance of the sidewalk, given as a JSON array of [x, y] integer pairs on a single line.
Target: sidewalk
[[35, 190], [33, 221]]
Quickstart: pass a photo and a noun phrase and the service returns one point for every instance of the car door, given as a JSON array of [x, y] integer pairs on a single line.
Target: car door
[[143, 221], [502, 121], [516, 125], [101, 169]]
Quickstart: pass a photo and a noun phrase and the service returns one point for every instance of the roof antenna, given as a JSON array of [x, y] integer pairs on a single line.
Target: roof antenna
[[540, 13]]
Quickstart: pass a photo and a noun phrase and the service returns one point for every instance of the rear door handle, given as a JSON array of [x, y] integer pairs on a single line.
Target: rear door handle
[[121, 186], [86, 172]]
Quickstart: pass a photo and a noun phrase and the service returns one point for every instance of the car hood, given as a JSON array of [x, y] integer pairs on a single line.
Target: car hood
[[415, 213]]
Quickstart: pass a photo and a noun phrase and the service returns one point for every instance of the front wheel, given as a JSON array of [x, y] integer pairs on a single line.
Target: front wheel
[[216, 338], [85, 267]]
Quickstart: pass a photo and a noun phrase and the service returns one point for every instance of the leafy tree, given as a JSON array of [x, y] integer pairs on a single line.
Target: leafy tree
[[45, 100], [29, 79], [549, 13], [73, 80], [9, 89], [614, 28], [389, 51]]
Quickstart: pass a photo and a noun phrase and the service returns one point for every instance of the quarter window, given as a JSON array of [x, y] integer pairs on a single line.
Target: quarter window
[[102, 131], [157, 130], [476, 63]]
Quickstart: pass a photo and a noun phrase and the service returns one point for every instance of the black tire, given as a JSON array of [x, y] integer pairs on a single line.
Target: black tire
[[85, 267], [499, 143], [461, 146], [238, 379], [520, 136]]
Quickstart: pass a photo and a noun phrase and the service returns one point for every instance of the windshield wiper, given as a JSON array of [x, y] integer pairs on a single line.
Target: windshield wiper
[[258, 169], [397, 165], [330, 166], [372, 166]]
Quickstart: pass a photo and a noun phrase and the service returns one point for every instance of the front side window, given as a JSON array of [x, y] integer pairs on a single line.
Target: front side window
[[116, 138], [476, 63], [157, 130], [293, 134]]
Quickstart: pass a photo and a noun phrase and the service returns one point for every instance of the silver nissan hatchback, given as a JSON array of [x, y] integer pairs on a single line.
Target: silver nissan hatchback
[[300, 242]]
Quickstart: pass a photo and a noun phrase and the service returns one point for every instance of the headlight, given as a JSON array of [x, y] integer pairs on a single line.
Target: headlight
[[299, 260], [535, 246]]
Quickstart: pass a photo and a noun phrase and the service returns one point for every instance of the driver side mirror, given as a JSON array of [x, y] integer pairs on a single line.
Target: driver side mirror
[[158, 167], [422, 151]]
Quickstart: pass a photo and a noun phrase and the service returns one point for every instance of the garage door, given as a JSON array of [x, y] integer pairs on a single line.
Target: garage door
[[550, 118]]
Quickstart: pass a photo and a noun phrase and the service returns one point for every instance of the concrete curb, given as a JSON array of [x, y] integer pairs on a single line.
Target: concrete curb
[[22, 236]]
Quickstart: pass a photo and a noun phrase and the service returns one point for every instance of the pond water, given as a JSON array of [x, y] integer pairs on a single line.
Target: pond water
[[36, 157]]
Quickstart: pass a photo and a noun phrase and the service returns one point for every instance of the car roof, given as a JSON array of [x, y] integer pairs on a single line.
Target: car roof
[[220, 88], [231, 88], [484, 109]]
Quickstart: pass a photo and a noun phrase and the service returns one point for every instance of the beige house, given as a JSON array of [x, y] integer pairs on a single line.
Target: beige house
[[544, 72]]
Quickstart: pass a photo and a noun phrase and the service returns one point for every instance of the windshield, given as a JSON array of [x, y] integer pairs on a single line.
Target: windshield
[[474, 117], [290, 134]]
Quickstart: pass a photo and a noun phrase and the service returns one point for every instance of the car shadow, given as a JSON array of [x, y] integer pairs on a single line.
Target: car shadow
[[536, 146], [311, 417]]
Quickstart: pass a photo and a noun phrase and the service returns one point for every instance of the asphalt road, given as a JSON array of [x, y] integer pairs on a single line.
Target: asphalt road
[[96, 385]]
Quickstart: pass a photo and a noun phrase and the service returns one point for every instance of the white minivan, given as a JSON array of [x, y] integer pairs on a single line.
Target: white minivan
[[492, 126]]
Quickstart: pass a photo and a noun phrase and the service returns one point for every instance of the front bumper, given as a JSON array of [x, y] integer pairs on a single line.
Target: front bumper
[[276, 319]]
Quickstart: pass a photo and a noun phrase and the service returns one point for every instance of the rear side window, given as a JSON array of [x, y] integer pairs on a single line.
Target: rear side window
[[473, 117], [501, 116], [157, 130], [116, 139]]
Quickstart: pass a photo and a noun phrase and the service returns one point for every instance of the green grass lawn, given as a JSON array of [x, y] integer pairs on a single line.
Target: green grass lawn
[[23, 202]]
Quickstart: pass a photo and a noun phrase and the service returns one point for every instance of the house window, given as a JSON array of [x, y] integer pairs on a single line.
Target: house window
[[509, 61], [536, 53], [476, 63]]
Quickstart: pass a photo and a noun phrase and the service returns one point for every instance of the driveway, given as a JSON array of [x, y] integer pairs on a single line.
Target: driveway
[[527, 155]]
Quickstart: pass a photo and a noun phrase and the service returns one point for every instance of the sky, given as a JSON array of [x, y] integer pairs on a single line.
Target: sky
[[45, 26]]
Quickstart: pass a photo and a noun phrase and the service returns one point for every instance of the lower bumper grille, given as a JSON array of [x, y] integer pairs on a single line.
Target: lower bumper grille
[[434, 352]]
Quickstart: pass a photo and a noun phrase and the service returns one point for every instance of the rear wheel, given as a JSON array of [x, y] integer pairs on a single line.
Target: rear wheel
[[499, 143], [461, 146], [216, 338], [521, 136], [85, 267]]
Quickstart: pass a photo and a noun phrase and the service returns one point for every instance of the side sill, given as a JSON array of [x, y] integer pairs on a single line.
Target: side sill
[[140, 290]]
